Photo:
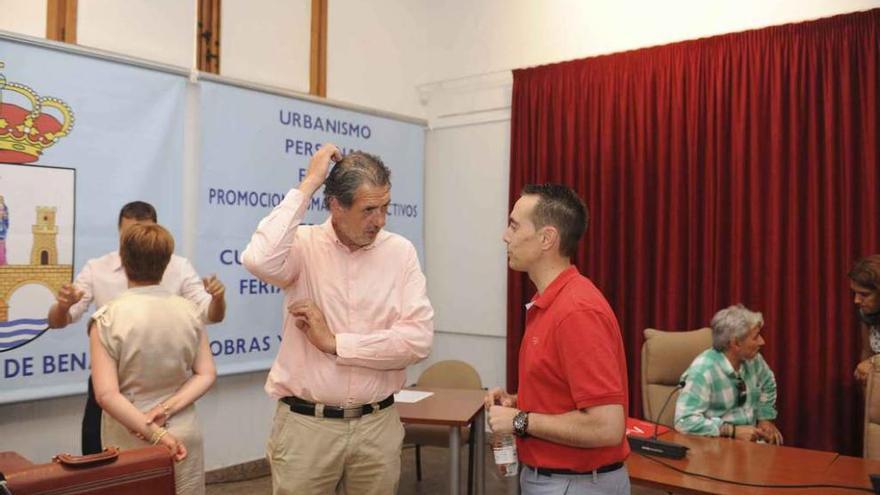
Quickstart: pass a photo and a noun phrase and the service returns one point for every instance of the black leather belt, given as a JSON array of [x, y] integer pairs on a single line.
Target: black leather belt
[[302, 406], [599, 470]]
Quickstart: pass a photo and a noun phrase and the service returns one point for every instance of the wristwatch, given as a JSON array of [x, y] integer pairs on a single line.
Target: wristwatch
[[521, 424]]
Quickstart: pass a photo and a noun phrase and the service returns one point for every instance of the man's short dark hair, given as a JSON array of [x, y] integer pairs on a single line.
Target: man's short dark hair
[[355, 169], [866, 272], [560, 207], [138, 210]]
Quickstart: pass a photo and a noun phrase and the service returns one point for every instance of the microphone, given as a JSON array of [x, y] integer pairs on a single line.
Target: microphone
[[678, 387], [661, 448], [875, 482]]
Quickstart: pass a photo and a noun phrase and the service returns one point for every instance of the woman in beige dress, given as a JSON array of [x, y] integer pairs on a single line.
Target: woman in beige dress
[[151, 360]]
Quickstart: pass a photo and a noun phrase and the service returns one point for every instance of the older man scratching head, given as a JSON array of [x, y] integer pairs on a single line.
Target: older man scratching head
[[357, 315]]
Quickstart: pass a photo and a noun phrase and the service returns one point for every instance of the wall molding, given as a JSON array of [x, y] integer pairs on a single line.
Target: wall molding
[[470, 100]]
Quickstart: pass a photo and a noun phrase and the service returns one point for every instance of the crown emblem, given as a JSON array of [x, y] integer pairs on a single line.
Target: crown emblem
[[25, 129]]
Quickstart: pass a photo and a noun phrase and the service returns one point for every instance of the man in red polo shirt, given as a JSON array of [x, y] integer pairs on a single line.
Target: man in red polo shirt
[[570, 413]]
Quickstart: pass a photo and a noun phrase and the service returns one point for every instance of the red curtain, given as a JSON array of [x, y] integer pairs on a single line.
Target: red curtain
[[738, 168]]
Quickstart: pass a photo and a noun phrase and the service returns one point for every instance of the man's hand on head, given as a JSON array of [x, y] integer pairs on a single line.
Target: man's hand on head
[[319, 167], [310, 319]]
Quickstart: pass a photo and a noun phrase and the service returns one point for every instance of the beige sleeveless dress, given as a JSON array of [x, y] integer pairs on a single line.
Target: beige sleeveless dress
[[153, 336]]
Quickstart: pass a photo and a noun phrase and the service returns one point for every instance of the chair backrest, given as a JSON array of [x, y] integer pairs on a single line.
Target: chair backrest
[[872, 412], [450, 374], [665, 356]]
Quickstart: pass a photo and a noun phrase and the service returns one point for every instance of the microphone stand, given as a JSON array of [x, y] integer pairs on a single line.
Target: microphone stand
[[661, 448]]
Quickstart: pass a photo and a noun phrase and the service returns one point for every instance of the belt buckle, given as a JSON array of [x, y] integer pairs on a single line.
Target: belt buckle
[[352, 413]]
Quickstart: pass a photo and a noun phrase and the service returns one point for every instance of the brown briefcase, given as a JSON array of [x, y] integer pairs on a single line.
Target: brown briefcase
[[149, 470]]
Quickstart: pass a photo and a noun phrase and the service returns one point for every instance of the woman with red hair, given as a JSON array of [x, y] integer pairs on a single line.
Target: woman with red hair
[[150, 353]]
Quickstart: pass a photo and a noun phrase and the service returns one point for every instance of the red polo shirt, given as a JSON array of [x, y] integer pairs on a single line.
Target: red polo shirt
[[571, 357]]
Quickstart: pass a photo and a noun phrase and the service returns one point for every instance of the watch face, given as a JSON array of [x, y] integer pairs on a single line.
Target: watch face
[[519, 423]]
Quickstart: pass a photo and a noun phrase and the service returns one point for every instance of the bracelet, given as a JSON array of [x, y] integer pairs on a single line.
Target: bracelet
[[165, 410], [157, 435], [728, 430]]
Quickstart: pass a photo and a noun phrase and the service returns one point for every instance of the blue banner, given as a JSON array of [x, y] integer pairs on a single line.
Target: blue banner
[[79, 138], [255, 147]]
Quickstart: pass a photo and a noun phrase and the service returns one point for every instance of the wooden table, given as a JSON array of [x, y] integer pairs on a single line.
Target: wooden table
[[851, 471], [453, 408], [750, 463]]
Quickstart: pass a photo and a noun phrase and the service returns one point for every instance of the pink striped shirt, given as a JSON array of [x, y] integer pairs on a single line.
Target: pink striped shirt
[[374, 300]]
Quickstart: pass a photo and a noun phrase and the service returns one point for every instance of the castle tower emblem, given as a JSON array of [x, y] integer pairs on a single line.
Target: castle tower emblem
[[45, 248], [26, 129]]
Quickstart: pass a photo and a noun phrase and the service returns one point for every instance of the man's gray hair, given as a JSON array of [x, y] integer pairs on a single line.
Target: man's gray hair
[[733, 322], [355, 169]]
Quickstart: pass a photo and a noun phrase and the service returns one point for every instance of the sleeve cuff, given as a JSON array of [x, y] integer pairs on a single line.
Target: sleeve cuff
[[75, 312], [346, 346], [716, 427], [766, 416], [602, 400]]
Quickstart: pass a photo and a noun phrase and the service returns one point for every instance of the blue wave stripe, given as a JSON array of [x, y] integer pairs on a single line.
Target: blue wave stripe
[[23, 331], [15, 343], [23, 321]]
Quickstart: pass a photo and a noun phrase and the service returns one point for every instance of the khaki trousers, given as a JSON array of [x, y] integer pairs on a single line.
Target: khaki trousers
[[322, 456]]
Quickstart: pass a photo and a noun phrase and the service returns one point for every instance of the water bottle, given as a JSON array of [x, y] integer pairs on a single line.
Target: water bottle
[[504, 448]]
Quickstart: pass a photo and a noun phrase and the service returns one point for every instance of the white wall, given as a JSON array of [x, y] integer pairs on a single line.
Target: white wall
[[377, 52], [485, 353], [464, 176], [466, 260], [266, 41], [24, 17], [157, 30]]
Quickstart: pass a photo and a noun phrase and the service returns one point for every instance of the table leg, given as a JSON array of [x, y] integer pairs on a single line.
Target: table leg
[[454, 455], [479, 426]]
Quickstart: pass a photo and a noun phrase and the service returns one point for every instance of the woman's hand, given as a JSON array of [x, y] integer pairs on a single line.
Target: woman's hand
[[158, 415], [863, 370], [175, 446]]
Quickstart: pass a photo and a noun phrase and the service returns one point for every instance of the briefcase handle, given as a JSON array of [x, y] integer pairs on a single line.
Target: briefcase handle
[[81, 461]]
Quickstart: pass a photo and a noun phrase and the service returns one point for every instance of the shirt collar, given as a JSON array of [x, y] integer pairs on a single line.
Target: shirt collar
[[330, 232], [546, 298], [148, 289], [727, 368], [724, 363]]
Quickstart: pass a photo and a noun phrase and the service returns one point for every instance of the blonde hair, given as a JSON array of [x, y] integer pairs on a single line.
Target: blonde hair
[[145, 251]]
